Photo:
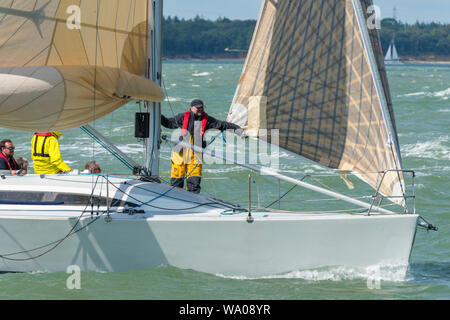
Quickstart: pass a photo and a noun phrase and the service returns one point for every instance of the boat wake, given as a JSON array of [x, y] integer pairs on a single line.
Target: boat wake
[[390, 273]]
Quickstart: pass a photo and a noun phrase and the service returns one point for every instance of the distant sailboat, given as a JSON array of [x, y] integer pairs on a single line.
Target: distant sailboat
[[391, 57]]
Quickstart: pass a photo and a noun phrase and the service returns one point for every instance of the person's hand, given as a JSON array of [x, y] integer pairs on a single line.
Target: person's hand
[[241, 133], [73, 172]]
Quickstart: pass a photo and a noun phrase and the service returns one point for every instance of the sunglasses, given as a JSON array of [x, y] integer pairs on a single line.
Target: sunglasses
[[10, 148]]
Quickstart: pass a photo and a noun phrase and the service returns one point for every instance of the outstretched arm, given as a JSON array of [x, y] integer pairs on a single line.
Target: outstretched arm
[[213, 123], [171, 123]]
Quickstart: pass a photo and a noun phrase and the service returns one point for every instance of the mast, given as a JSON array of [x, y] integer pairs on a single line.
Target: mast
[[154, 70]]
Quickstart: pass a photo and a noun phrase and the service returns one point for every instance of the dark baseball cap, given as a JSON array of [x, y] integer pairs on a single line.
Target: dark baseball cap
[[197, 103]]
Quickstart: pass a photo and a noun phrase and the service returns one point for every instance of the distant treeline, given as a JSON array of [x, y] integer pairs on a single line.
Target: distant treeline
[[200, 38], [416, 40], [224, 38]]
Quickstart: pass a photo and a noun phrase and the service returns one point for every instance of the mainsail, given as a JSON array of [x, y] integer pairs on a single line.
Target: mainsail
[[64, 63], [391, 54], [314, 72]]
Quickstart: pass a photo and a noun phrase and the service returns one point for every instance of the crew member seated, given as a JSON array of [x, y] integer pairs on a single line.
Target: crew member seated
[[23, 166], [7, 161], [46, 155], [92, 167]]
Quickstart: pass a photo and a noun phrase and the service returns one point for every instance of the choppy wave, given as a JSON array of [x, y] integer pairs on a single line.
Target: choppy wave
[[435, 149], [444, 94], [390, 273], [201, 74], [132, 148], [225, 170], [421, 93], [172, 99]]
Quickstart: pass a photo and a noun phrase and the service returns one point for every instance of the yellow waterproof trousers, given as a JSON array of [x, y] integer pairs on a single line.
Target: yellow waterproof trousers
[[186, 164]]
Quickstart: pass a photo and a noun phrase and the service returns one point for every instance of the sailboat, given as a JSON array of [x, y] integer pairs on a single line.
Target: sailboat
[[391, 57], [314, 72]]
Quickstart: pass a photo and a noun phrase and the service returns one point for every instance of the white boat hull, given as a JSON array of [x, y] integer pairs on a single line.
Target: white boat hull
[[393, 62], [226, 245]]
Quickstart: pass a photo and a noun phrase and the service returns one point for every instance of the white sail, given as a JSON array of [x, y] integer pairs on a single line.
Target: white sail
[[394, 52], [392, 57], [68, 62], [314, 72], [389, 53]]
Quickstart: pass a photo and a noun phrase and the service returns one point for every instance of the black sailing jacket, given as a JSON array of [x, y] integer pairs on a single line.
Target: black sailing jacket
[[212, 123]]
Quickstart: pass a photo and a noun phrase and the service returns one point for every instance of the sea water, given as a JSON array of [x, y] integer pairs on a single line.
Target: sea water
[[421, 97]]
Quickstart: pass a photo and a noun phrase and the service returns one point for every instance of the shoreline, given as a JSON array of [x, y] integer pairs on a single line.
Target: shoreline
[[409, 61], [438, 62], [203, 59]]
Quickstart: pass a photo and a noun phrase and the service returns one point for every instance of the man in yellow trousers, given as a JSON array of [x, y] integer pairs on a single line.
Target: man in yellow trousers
[[187, 164], [46, 155]]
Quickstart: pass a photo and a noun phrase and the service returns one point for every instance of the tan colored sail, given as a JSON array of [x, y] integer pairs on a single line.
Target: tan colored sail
[[69, 62], [308, 74]]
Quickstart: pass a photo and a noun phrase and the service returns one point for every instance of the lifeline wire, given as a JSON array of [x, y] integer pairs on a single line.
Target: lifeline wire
[[58, 242]]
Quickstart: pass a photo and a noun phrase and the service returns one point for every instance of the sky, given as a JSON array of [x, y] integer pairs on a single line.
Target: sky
[[408, 11]]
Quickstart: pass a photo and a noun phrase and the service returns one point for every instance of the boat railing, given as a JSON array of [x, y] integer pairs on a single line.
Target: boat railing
[[380, 197]]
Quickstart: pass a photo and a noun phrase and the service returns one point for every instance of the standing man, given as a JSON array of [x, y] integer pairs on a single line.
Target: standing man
[[194, 122], [7, 161], [46, 155]]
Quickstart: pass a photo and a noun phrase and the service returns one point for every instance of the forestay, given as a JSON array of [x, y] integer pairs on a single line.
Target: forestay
[[316, 73], [64, 63]]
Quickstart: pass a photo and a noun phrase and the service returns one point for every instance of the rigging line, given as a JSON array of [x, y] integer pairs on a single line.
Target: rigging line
[[348, 211], [167, 97], [306, 176], [166, 192], [170, 197], [119, 66], [163, 194], [58, 242], [95, 78], [398, 176], [51, 243], [279, 199]]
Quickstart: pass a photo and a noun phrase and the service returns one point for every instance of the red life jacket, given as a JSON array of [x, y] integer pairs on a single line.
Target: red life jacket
[[7, 162], [43, 134], [187, 115]]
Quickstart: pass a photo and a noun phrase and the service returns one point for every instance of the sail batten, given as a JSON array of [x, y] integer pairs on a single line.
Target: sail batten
[[315, 72], [97, 49]]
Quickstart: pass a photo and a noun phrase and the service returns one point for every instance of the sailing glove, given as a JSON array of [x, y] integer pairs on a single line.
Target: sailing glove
[[241, 132]]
